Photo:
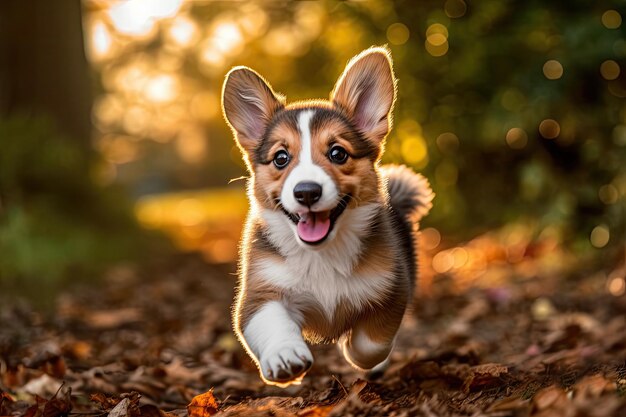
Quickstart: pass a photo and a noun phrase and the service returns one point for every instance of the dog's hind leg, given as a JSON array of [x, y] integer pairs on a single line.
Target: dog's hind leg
[[366, 351], [370, 341]]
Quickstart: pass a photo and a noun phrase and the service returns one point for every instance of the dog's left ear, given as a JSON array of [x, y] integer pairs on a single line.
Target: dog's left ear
[[366, 91]]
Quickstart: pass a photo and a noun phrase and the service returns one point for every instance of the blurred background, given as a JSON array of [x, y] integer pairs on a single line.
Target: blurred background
[[113, 147]]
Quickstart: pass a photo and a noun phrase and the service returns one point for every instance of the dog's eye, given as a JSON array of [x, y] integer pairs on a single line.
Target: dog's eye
[[338, 155], [281, 159]]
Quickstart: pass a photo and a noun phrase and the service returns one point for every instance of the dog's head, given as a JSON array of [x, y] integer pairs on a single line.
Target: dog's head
[[313, 160]]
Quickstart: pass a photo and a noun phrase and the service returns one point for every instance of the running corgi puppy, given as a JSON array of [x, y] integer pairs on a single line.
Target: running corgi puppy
[[328, 253]]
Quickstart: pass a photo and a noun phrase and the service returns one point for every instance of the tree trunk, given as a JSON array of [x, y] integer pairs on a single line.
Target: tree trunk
[[43, 69]]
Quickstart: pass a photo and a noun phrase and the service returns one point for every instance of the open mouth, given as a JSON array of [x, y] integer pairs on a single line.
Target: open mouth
[[314, 226]]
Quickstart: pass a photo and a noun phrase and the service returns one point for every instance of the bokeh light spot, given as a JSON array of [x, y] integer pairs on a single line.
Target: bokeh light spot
[[227, 38], [117, 149], [430, 238], [138, 17], [460, 257], [447, 142], [162, 88], [549, 128], [616, 286], [253, 20], [609, 69], [608, 194], [100, 42], [436, 50], [437, 28], [398, 33], [414, 150], [552, 69], [183, 32], [619, 135], [135, 120], [210, 56], [436, 39], [455, 8], [443, 262], [436, 43], [516, 138], [281, 40], [600, 236], [611, 19], [542, 309]]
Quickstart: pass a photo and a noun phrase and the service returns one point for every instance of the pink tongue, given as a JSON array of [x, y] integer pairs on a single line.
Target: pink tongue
[[314, 228]]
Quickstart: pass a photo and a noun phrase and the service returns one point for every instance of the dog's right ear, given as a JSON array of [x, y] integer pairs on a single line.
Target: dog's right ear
[[249, 104]]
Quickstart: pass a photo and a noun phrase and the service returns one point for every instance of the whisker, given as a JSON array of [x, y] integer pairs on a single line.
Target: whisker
[[243, 177]]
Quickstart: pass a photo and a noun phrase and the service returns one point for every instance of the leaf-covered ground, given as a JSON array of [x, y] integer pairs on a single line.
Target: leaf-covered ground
[[155, 341]]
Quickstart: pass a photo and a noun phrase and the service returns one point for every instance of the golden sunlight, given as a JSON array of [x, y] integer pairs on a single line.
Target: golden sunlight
[[227, 38], [100, 45], [138, 17], [161, 88], [183, 31]]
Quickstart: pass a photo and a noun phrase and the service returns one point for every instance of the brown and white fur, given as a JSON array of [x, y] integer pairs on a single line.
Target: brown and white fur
[[328, 251]]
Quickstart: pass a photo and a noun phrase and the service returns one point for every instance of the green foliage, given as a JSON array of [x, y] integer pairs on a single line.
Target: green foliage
[[55, 224]]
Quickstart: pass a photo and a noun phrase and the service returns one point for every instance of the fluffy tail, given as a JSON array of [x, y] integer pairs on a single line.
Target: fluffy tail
[[410, 194]]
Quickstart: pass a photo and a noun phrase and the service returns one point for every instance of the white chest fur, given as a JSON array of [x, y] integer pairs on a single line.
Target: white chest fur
[[324, 273]]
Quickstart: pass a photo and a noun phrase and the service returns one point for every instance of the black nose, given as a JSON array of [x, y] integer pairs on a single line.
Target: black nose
[[307, 193]]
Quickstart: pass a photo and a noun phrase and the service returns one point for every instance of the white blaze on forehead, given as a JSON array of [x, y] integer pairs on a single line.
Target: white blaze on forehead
[[308, 171], [304, 125]]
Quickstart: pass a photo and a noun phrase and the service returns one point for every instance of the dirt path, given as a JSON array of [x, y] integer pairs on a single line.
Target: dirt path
[[149, 341]]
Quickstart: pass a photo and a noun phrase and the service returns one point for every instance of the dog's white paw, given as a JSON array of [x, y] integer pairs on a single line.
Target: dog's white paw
[[286, 363]]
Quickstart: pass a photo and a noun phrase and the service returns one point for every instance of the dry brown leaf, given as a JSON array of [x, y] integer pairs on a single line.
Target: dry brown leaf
[[593, 386], [60, 404], [6, 401], [110, 319], [44, 386], [550, 397], [121, 409], [352, 399], [508, 404], [203, 405], [316, 411], [482, 375]]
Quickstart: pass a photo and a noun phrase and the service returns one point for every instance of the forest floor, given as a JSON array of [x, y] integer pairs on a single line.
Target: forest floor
[[157, 341]]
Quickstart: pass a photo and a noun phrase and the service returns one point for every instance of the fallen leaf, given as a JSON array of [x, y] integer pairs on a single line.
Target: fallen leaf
[[110, 319], [551, 396], [484, 374], [44, 386], [203, 405], [593, 386], [121, 409], [507, 404], [60, 404], [5, 403], [351, 400]]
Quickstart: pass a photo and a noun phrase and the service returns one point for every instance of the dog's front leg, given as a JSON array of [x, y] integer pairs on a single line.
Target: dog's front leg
[[275, 339]]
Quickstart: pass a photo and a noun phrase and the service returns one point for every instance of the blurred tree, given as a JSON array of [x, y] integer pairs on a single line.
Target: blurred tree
[[56, 223], [44, 69]]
